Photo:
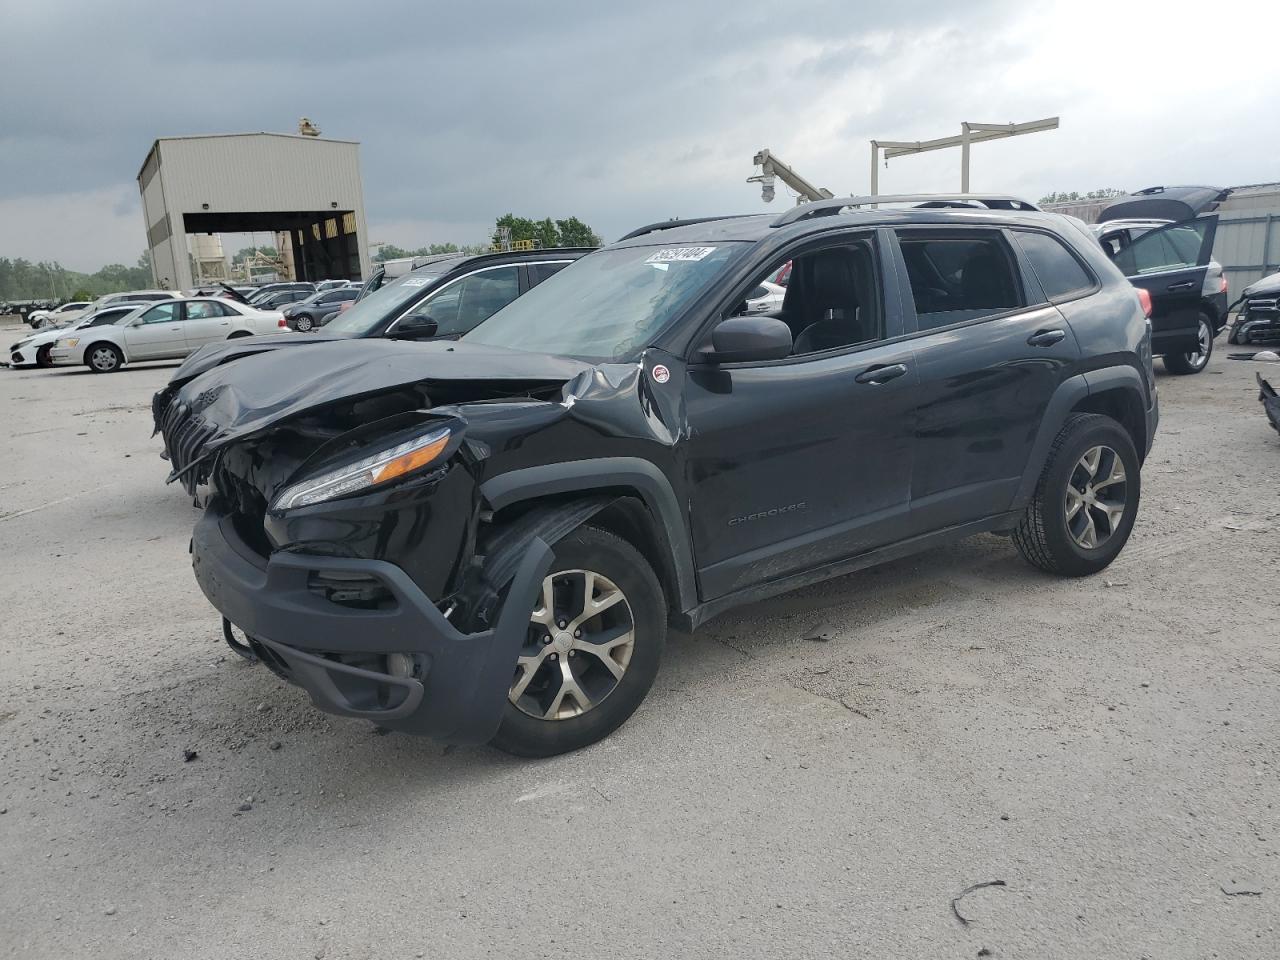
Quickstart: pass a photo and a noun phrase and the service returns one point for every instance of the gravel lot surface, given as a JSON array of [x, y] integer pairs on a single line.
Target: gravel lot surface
[[1109, 748]]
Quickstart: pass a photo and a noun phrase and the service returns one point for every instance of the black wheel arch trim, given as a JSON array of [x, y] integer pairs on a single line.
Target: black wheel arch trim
[[1064, 400], [624, 473]]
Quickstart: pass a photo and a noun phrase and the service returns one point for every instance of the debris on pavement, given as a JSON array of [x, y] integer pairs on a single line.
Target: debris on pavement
[[1270, 402], [955, 902], [1234, 888], [189, 755]]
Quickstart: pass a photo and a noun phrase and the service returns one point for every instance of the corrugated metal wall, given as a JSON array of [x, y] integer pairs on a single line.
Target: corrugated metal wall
[[1247, 246]]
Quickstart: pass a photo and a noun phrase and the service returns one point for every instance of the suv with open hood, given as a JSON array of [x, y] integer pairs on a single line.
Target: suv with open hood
[[486, 539]]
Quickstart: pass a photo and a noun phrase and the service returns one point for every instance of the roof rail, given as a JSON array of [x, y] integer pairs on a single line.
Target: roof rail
[[826, 208], [670, 224]]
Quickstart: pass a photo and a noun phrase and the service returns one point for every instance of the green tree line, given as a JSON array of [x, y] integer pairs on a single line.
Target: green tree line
[[570, 232], [22, 279]]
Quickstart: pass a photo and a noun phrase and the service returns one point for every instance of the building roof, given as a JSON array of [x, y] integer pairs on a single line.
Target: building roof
[[216, 136]]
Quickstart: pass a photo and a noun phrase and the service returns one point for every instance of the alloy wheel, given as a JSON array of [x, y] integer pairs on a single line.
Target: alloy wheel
[[580, 640], [1096, 497], [1197, 358]]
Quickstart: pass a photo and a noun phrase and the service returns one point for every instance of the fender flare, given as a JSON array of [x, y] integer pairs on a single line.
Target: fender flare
[[1064, 399], [628, 473]]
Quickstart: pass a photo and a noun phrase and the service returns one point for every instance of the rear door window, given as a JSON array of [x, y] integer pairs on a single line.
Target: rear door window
[[1060, 274], [1175, 247], [957, 277]]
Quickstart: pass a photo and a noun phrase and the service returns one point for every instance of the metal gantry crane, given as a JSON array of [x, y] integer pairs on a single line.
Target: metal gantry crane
[[772, 168]]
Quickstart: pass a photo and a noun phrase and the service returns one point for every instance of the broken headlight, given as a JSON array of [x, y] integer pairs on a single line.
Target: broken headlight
[[376, 469]]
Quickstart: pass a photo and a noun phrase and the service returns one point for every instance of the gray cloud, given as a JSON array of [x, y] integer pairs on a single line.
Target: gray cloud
[[617, 113]]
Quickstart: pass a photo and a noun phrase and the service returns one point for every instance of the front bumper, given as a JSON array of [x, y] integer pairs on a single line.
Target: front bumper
[[459, 683]]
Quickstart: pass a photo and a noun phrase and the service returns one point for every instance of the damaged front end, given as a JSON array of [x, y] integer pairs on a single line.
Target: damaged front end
[[341, 532], [1259, 318], [1270, 402]]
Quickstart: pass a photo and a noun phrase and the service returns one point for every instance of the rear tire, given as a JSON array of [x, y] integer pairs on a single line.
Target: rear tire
[[1083, 508], [103, 358], [606, 683], [1195, 361]]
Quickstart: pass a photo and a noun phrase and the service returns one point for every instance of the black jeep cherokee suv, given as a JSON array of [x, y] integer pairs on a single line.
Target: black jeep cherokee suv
[[486, 539]]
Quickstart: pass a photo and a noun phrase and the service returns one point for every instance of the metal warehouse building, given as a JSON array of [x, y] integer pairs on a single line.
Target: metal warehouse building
[[247, 182]]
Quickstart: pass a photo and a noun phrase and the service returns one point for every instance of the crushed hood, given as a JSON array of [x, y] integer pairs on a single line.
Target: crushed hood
[[242, 398], [1264, 287], [215, 354]]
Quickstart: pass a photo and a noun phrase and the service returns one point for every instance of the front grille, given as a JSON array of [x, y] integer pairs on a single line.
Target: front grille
[[17, 357], [184, 438]]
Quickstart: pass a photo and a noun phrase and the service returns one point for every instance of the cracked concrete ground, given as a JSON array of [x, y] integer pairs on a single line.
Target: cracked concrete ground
[[1107, 747]]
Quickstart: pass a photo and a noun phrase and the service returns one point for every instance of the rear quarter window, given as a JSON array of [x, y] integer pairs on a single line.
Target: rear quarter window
[[1060, 274]]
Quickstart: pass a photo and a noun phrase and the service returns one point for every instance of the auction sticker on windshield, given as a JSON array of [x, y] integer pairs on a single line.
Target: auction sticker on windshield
[[417, 281], [680, 254]]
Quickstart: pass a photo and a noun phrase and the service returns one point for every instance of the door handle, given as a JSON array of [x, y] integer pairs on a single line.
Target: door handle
[[225, 323], [1182, 285], [175, 329], [881, 374], [1046, 338]]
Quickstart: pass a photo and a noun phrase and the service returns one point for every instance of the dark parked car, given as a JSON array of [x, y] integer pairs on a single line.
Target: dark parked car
[[442, 299], [1161, 238], [486, 539], [305, 315], [270, 289], [280, 299]]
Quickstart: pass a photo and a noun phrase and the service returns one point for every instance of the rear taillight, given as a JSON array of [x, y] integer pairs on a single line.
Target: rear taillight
[[1144, 298], [1222, 284], [284, 324]]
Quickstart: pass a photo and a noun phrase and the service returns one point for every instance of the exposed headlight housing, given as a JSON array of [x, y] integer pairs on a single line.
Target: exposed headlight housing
[[374, 470]]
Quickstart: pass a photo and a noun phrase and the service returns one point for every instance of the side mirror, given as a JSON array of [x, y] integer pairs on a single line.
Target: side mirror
[[421, 328], [748, 339]]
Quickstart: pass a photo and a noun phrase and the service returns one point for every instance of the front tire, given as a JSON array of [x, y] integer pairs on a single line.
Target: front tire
[[103, 358], [1086, 500], [303, 324], [592, 650], [43, 358], [1196, 360]]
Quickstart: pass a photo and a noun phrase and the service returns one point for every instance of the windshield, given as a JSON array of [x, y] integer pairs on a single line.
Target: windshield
[[367, 315], [609, 305]]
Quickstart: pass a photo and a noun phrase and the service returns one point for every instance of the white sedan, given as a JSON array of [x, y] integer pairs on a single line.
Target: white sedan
[[59, 316], [766, 298], [35, 350], [165, 331]]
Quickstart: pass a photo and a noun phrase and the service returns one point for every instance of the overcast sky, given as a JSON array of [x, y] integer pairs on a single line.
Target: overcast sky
[[620, 113]]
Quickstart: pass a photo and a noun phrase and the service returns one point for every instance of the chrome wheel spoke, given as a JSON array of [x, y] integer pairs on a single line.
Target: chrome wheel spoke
[[1114, 512], [1074, 502], [528, 667], [1117, 474], [545, 612], [1089, 535], [571, 691], [1090, 461]]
